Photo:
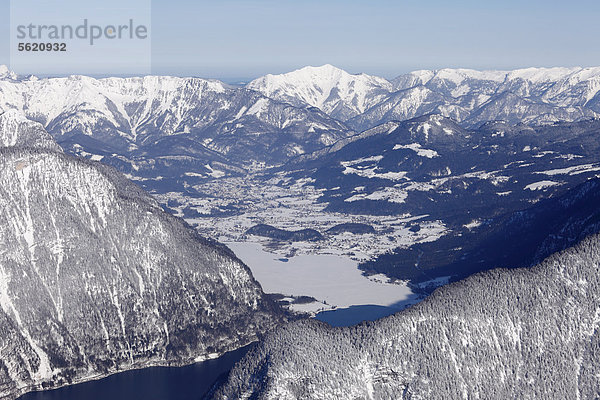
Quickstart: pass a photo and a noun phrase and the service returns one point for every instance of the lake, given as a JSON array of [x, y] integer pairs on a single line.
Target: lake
[[154, 383], [333, 279], [355, 314]]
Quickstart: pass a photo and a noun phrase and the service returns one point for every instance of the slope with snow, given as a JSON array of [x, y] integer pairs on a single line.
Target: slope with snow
[[531, 95], [96, 278], [526, 333], [133, 116], [334, 91]]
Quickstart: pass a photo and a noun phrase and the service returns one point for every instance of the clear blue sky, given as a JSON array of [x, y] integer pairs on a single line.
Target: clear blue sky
[[231, 39]]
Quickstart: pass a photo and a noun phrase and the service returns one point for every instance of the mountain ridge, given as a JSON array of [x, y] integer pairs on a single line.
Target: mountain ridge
[[96, 278], [521, 328], [467, 95]]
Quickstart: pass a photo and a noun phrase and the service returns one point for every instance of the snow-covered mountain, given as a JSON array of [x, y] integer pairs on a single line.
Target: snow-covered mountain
[[96, 278], [334, 91], [532, 95], [526, 333], [128, 115], [516, 239], [430, 170], [18, 131], [5, 73]]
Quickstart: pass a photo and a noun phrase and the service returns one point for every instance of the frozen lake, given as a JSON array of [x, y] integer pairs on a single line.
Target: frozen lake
[[333, 279]]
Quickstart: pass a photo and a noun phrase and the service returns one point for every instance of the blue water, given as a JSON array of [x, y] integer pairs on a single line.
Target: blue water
[[153, 383], [355, 314], [190, 382]]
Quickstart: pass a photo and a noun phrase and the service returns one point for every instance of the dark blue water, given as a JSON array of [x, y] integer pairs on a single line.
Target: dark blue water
[[355, 314], [153, 383], [193, 381]]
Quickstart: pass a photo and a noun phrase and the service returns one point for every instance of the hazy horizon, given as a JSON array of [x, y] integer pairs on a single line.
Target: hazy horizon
[[237, 40], [240, 80]]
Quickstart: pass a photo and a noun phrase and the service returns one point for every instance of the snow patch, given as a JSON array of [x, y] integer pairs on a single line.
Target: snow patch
[[416, 147], [541, 185]]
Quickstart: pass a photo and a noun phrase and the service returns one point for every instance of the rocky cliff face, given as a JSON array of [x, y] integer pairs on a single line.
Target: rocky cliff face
[[521, 333], [96, 278]]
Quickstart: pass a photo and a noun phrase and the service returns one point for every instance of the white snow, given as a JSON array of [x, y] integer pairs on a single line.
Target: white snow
[[259, 107], [333, 279], [541, 185], [372, 173], [473, 224], [391, 194], [361, 160], [370, 169], [416, 147], [574, 170]]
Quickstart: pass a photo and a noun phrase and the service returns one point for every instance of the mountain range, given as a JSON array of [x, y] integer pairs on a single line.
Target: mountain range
[[96, 278], [277, 117], [505, 164], [531, 96], [169, 134], [198, 124]]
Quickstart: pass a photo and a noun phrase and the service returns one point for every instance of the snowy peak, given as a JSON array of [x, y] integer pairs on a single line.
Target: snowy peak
[[6, 73], [323, 70], [540, 75], [18, 131], [335, 91]]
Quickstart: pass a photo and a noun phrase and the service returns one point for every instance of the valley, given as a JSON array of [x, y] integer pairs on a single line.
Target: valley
[[284, 152], [317, 193]]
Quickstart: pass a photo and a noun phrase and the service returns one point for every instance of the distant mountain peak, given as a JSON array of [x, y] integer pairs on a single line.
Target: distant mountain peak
[[336, 92], [322, 68], [17, 130], [542, 74], [6, 73]]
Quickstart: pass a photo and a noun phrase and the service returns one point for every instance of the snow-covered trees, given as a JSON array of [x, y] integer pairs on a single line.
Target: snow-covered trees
[[520, 333]]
